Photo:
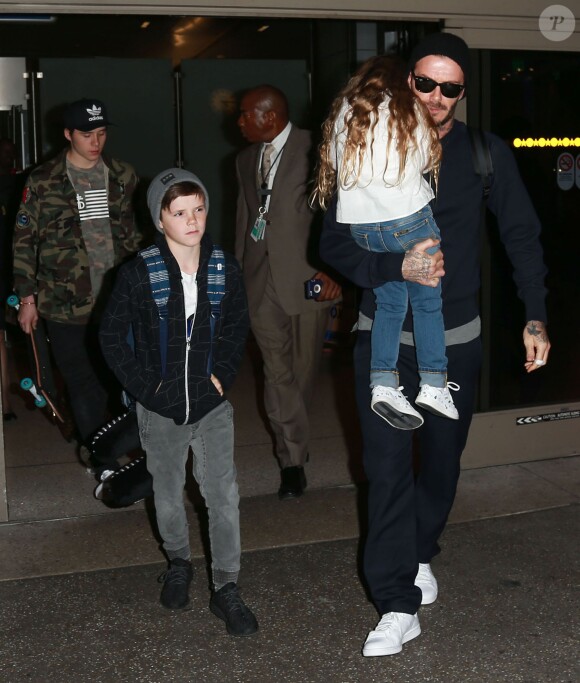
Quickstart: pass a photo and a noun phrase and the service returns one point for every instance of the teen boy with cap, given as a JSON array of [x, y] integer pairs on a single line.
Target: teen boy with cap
[[407, 516], [178, 373], [75, 224]]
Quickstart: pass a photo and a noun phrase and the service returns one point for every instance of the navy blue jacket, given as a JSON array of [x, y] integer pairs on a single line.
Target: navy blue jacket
[[139, 370], [457, 210]]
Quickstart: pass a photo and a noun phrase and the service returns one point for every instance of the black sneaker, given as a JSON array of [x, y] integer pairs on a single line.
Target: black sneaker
[[229, 606], [176, 580]]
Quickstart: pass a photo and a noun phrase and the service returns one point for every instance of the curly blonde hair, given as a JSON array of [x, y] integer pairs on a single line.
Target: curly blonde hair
[[376, 80]]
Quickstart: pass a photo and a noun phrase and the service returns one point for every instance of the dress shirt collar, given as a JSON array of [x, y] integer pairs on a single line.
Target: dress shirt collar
[[280, 140]]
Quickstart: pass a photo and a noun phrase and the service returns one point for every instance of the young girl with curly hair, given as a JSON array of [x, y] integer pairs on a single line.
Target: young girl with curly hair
[[378, 145]]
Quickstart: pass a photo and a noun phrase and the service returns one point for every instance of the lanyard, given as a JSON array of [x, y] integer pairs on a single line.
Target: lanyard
[[264, 193]]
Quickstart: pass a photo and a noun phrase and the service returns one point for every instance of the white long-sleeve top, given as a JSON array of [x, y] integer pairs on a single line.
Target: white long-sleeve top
[[378, 196]]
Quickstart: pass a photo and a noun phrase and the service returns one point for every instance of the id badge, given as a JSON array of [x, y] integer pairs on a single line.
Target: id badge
[[259, 227]]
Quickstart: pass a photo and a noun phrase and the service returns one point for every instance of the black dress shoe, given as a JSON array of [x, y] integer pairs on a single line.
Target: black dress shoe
[[293, 483]]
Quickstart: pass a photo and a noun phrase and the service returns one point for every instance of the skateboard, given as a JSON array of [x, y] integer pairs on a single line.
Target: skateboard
[[42, 385]]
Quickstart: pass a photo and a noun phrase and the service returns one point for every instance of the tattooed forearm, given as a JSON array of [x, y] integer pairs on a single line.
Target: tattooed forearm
[[416, 266], [537, 329]]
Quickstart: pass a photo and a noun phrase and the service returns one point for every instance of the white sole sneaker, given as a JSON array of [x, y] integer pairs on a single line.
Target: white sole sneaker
[[393, 407], [98, 492], [426, 581], [392, 632], [437, 400]]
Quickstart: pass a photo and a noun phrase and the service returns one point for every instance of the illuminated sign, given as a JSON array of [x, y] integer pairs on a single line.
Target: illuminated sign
[[547, 142], [565, 171]]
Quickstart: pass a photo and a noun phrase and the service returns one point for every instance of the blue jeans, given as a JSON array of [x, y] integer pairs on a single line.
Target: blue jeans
[[392, 298], [212, 442]]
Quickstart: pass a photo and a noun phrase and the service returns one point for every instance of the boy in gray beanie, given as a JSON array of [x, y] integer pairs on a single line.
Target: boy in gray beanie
[[184, 357], [162, 182]]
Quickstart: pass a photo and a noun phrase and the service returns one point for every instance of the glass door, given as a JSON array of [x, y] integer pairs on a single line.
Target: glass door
[[534, 107]]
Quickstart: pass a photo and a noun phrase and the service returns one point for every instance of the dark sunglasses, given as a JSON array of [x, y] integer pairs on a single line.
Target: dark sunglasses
[[426, 85]]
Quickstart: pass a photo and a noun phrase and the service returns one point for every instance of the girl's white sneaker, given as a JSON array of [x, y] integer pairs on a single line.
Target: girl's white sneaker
[[437, 400]]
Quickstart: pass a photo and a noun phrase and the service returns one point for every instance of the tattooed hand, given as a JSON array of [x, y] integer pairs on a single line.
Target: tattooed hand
[[421, 267], [537, 345]]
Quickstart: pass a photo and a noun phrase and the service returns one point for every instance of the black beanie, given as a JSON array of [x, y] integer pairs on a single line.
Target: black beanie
[[444, 45]]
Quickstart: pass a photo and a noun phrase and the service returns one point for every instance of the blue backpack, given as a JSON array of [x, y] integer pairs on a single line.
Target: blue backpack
[[159, 281]]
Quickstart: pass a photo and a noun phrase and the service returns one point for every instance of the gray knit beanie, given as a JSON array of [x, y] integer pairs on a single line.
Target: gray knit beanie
[[445, 45], [162, 182]]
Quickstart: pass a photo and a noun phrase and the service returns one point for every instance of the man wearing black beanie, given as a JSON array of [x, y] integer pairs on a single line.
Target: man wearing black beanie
[[406, 515], [447, 58]]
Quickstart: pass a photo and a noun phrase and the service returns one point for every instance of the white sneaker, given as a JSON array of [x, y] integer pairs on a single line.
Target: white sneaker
[[98, 492], [438, 400], [393, 630], [392, 406], [427, 583]]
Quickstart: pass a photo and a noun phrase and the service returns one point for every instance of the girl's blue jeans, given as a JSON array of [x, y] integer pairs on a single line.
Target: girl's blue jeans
[[392, 299]]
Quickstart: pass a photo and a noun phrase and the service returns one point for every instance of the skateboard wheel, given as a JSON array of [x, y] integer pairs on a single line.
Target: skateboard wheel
[[28, 385], [12, 300]]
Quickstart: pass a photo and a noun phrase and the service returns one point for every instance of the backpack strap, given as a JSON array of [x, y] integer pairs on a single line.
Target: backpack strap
[[216, 281], [482, 161], [483, 167], [216, 288], [159, 281]]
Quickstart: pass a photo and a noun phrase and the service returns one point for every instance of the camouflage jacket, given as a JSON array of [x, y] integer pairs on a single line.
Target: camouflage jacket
[[50, 257]]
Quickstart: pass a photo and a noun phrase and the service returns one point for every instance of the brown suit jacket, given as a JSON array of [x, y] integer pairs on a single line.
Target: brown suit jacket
[[289, 219]]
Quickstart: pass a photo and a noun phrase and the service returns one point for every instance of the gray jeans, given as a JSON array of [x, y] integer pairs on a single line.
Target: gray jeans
[[212, 442]]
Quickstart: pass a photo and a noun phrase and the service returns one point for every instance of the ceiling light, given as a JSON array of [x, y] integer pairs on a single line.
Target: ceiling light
[[263, 28], [32, 18]]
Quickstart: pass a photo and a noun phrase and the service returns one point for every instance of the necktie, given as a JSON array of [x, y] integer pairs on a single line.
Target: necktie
[[266, 163]]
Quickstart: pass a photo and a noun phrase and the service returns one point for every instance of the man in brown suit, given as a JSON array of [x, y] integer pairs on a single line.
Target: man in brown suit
[[272, 235]]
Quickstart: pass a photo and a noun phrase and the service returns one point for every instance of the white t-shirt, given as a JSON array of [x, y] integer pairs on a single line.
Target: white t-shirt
[[377, 196], [189, 283]]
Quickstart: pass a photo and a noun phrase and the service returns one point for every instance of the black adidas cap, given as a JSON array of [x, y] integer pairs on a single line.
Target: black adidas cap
[[86, 115]]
